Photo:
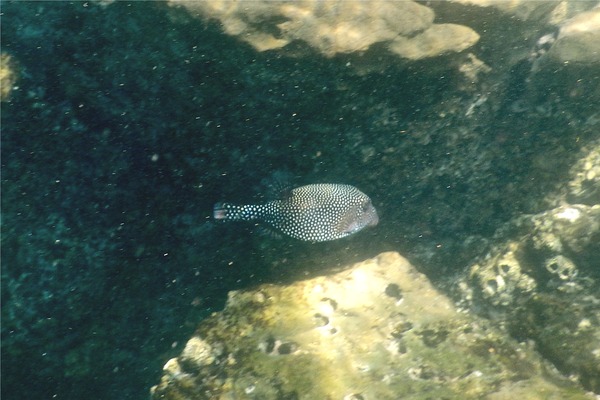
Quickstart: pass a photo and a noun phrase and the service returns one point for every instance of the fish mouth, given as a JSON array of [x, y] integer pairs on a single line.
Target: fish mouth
[[374, 220]]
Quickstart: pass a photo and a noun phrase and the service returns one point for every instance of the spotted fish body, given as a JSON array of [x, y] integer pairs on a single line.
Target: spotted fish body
[[317, 213]]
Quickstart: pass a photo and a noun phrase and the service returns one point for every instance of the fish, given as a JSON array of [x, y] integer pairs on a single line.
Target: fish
[[317, 213]]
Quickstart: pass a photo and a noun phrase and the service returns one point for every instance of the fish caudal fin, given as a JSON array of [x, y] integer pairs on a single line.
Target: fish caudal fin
[[220, 211]]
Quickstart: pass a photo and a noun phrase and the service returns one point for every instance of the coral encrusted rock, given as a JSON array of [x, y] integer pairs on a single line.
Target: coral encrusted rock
[[377, 330], [337, 27], [544, 288], [579, 39]]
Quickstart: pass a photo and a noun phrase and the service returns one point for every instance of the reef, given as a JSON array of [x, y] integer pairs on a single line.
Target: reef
[[376, 330], [578, 39], [472, 125], [405, 28], [8, 76], [335, 27], [543, 282]]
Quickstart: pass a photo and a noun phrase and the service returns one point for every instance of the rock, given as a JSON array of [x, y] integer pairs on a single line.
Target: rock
[[438, 39], [407, 28], [544, 288], [579, 39], [8, 76], [338, 27], [550, 11], [584, 187], [377, 330]]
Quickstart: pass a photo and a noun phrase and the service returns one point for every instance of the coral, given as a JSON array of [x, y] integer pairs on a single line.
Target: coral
[[543, 286], [567, 229], [377, 330], [584, 185], [501, 276], [578, 39], [335, 27], [437, 39], [8, 76], [545, 10]]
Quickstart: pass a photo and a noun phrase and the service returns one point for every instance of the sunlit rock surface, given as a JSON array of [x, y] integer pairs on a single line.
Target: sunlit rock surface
[[377, 330], [550, 10], [579, 39], [8, 76], [578, 23], [406, 28], [334, 27], [584, 185]]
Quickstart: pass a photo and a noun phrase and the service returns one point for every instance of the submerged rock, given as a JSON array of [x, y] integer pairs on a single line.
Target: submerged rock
[[544, 287], [8, 76], [377, 330], [338, 27], [579, 39]]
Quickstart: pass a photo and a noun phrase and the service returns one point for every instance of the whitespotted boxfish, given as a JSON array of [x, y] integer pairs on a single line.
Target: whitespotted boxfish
[[316, 213]]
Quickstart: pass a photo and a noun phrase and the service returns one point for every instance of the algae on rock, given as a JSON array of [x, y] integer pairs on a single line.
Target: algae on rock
[[377, 330], [337, 27], [544, 287]]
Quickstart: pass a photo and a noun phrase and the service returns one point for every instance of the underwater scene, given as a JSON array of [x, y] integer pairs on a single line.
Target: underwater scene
[[300, 199]]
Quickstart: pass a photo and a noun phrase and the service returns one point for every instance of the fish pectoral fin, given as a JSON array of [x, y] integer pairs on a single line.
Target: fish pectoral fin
[[347, 224]]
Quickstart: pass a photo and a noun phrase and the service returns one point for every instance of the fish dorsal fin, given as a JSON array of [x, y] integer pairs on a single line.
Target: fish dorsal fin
[[279, 185]]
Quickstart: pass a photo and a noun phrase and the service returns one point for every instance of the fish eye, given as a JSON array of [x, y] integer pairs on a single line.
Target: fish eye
[[366, 205]]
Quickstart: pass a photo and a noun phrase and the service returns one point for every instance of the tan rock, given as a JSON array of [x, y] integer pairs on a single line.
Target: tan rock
[[579, 39], [438, 39], [337, 27], [8, 76], [377, 330]]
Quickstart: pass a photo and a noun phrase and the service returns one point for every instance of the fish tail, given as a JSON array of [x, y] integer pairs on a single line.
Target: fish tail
[[221, 211], [228, 211]]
